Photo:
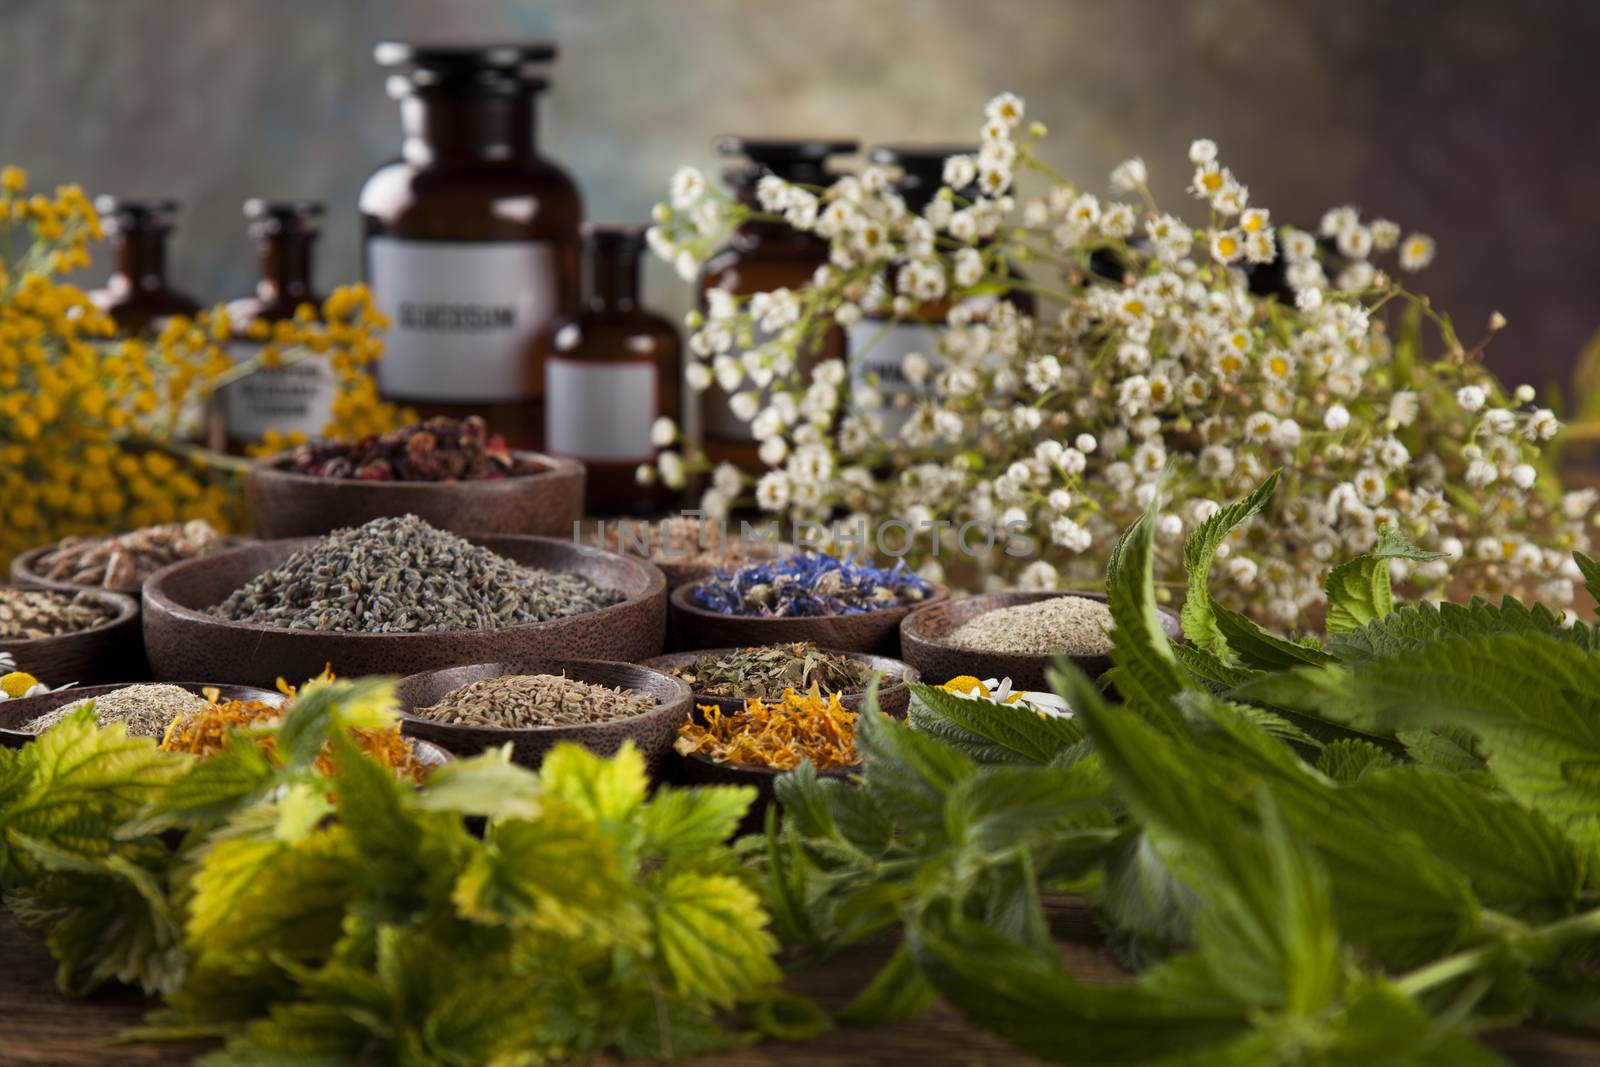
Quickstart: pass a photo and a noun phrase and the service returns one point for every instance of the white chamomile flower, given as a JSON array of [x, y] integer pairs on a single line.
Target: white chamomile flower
[[670, 465], [1471, 397], [688, 186], [772, 491], [1117, 221], [1417, 252], [1308, 299], [1524, 475], [663, 432], [1227, 246], [1129, 176], [773, 451], [1260, 426], [1336, 220], [698, 375], [1541, 425], [1354, 241], [1085, 443], [1202, 151], [1385, 234], [1007, 108]]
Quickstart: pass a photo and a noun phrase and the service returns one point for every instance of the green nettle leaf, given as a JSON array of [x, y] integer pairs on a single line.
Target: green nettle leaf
[[1211, 669], [210, 790], [688, 821], [1005, 804], [711, 933], [607, 790], [487, 784], [1260, 649], [1591, 574], [909, 774], [325, 708], [1413, 626], [1518, 860], [897, 991], [1143, 902], [560, 872], [990, 732], [1148, 675], [1358, 593], [1447, 748], [251, 896], [1199, 622], [1347, 759]]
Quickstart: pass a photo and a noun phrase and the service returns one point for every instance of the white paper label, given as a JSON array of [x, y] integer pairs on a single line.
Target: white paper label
[[599, 411], [462, 316], [289, 399], [880, 350]]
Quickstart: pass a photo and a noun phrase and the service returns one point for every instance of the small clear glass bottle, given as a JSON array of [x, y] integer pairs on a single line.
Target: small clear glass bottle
[[763, 256], [471, 236], [138, 296], [296, 397], [879, 344], [611, 370]]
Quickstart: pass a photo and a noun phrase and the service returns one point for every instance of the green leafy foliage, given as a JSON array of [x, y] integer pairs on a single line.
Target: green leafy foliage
[[308, 917], [1199, 611]]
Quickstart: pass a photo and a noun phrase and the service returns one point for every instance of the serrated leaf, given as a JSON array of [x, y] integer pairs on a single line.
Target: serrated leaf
[[1347, 759], [1447, 748], [1358, 593], [991, 732], [1413, 626], [1591, 574], [898, 991], [324, 708], [1003, 805], [607, 790], [1199, 622], [209, 790], [253, 896], [1261, 650], [1518, 861], [1148, 675], [1210, 669], [908, 774], [487, 784], [711, 933], [680, 821]]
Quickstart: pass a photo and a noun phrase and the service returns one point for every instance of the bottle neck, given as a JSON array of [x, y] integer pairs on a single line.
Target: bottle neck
[[142, 258], [285, 267], [614, 280], [448, 125]]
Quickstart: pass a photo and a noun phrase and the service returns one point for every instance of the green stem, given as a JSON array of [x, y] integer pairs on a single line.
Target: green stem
[[1586, 924]]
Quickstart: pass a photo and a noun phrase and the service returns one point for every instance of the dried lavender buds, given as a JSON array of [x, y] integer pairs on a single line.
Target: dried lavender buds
[[401, 575], [123, 562], [441, 449], [144, 709], [529, 701], [31, 613], [766, 671], [809, 584], [1063, 625]]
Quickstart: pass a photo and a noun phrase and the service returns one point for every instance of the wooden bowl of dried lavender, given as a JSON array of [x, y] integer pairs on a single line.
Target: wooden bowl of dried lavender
[[1013, 635], [452, 473], [537, 703], [396, 596], [726, 677], [144, 708], [835, 604], [87, 636]]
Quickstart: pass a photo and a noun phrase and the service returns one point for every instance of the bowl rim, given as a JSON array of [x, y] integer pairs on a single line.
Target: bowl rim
[[72, 693], [127, 605], [679, 598], [156, 596], [512, 732], [893, 680], [909, 625], [22, 567], [270, 468], [768, 772]]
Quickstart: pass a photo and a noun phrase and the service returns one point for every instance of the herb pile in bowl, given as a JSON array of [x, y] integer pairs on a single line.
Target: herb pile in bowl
[[809, 585]]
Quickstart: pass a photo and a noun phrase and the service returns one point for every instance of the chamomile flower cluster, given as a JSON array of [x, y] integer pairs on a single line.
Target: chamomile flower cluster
[[1083, 351], [96, 434]]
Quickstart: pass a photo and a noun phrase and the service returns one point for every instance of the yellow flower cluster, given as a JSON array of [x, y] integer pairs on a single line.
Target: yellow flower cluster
[[99, 434]]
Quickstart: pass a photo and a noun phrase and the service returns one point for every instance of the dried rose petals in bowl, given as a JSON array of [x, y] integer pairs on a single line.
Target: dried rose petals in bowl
[[441, 449]]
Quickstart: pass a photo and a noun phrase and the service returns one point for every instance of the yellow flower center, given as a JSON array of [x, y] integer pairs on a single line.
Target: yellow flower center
[[17, 683], [1227, 245]]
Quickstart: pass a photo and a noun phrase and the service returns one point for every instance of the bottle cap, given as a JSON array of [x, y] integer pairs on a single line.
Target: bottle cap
[[617, 237], [802, 161], [513, 66], [122, 214], [270, 217], [921, 169]]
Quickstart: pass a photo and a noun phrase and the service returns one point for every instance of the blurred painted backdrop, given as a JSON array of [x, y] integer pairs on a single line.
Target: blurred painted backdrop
[[1477, 121]]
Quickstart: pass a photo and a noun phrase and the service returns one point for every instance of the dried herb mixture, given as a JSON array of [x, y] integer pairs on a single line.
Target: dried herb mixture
[[765, 671], [810, 584], [779, 736], [441, 449]]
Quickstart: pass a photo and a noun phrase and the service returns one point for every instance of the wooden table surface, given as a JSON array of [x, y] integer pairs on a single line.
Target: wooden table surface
[[41, 1028]]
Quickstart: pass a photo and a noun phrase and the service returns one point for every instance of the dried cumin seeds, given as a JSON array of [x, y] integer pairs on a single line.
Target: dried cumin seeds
[[527, 701]]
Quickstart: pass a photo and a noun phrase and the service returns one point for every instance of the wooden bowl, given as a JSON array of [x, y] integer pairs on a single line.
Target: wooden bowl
[[653, 732], [893, 694], [25, 576], [545, 503], [13, 713], [694, 627], [98, 654], [923, 642], [185, 642], [702, 770]]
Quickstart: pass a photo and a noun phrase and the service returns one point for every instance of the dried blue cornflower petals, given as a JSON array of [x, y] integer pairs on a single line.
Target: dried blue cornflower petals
[[808, 585]]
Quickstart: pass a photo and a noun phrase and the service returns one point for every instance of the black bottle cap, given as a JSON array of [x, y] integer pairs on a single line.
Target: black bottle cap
[[127, 213], [513, 66], [271, 217], [618, 238], [921, 169], [801, 161]]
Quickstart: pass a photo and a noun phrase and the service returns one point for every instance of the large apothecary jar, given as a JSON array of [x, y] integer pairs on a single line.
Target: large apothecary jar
[[471, 237]]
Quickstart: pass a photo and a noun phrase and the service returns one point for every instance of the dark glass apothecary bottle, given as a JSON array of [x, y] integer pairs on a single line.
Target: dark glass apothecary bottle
[[763, 256], [471, 237], [138, 296], [611, 370], [879, 344], [297, 396]]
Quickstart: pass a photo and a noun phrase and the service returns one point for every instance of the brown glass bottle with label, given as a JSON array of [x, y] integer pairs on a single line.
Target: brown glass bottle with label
[[138, 296], [611, 370], [471, 240], [763, 256], [879, 344], [297, 396]]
